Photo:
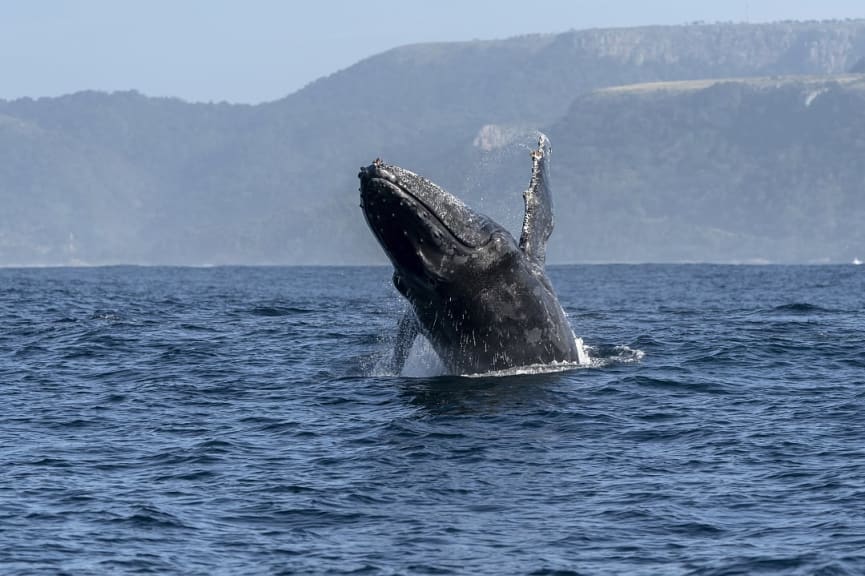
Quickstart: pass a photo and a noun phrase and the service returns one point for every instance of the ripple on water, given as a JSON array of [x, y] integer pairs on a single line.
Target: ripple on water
[[228, 421]]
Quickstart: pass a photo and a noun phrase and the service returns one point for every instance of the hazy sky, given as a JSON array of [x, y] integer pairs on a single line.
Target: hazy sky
[[258, 50]]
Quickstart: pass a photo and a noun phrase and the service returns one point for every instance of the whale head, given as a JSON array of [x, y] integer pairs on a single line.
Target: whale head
[[428, 234]]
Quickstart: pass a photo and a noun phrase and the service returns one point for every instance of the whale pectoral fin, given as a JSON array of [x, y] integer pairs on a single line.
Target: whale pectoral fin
[[406, 332], [538, 219]]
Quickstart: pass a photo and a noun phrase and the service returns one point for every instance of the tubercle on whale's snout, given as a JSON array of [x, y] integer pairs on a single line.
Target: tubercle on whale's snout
[[375, 179], [376, 170]]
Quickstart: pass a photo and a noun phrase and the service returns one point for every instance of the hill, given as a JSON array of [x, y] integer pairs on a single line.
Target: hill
[[107, 178], [730, 170]]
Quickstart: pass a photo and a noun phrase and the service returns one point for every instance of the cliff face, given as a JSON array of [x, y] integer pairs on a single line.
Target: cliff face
[[741, 170]]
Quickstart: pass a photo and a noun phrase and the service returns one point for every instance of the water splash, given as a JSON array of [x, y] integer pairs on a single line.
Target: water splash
[[499, 172], [422, 361], [583, 358]]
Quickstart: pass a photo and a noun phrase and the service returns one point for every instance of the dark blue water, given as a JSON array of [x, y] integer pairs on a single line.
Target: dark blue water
[[229, 421]]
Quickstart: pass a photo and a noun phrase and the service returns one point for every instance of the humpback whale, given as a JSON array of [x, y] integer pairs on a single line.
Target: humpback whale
[[481, 298]]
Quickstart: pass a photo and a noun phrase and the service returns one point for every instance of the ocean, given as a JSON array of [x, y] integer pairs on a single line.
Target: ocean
[[237, 420]]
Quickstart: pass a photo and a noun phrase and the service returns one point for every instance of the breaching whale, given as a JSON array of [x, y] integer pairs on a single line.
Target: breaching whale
[[482, 299]]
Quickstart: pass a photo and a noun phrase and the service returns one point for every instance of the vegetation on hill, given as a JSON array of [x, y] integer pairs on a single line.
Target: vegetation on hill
[[737, 170]]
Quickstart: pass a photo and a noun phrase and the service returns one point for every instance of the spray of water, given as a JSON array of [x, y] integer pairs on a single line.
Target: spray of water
[[500, 172], [422, 361]]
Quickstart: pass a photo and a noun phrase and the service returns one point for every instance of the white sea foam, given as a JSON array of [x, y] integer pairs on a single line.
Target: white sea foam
[[550, 368], [619, 354], [423, 362]]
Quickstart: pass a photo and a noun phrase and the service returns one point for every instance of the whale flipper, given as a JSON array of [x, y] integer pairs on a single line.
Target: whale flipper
[[406, 332], [538, 220]]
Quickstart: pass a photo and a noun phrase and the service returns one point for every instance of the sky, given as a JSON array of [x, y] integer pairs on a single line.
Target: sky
[[251, 51]]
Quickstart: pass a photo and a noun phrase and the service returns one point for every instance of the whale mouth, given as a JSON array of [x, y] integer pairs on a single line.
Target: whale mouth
[[423, 212], [395, 195]]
